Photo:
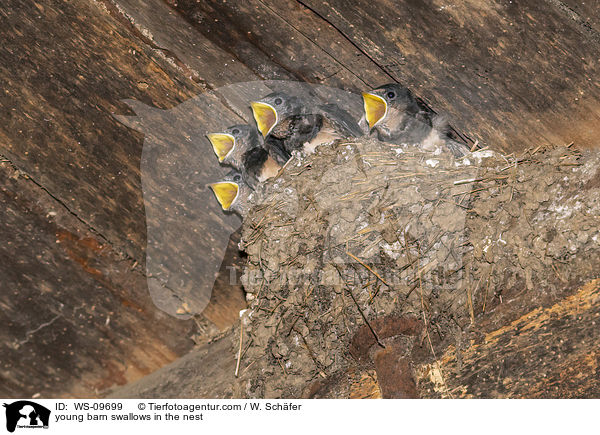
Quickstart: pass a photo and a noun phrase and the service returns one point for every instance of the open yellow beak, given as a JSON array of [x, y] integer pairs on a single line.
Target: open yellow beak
[[375, 108], [222, 144], [226, 193], [265, 116]]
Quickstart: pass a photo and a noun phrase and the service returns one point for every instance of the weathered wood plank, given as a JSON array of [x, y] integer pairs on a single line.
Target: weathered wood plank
[[57, 109], [550, 352], [71, 108], [60, 132], [214, 66], [282, 40], [77, 318], [509, 74], [207, 372], [587, 13]]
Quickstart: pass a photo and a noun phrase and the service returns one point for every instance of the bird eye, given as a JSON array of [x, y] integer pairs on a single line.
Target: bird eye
[[235, 131], [391, 95], [278, 101], [237, 178]]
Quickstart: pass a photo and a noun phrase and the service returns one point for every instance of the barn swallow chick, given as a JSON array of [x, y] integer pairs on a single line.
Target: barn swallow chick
[[230, 145], [258, 166], [337, 124], [288, 122], [395, 115], [233, 193], [239, 146], [285, 122]]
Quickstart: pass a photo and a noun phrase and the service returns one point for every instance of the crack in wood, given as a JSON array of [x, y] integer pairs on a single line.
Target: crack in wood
[[347, 38], [577, 18], [318, 45], [120, 253], [29, 334], [115, 11]]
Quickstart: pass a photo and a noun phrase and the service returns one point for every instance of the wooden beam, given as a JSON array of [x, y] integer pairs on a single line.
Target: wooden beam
[[549, 352], [282, 40], [77, 318], [510, 75], [82, 254]]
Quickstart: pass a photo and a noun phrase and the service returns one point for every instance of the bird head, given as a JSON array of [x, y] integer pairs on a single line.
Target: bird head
[[379, 102], [222, 143], [268, 111], [231, 145], [232, 193]]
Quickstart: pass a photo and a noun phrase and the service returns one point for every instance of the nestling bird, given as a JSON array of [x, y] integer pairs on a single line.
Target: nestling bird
[[337, 124], [239, 146], [395, 115], [233, 193], [289, 124]]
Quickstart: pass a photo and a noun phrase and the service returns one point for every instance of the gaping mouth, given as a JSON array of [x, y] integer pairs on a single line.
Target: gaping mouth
[[375, 108], [222, 144], [226, 193], [265, 116]]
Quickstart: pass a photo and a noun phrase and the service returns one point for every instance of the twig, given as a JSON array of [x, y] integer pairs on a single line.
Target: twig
[[536, 149], [487, 288], [282, 366], [368, 268], [467, 181], [558, 274], [239, 358], [360, 310]]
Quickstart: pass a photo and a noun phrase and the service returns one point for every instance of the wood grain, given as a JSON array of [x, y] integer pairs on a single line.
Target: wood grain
[[76, 216], [509, 74], [549, 352], [77, 318]]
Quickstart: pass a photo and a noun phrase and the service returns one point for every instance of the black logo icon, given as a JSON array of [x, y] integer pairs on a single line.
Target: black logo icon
[[26, 414]]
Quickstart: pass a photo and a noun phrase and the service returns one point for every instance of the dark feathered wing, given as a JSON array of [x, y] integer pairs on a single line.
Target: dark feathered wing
[[341, 120]]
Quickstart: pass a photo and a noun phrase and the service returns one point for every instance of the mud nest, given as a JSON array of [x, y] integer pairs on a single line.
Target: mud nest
[[363, 231]]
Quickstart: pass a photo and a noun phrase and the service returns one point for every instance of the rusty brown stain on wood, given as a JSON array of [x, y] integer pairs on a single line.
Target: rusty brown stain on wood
[[85, 251], [79, 249], [383, 340], [395, 374], [383, 327], [73, 304]]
